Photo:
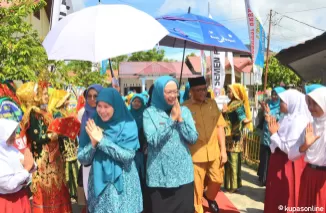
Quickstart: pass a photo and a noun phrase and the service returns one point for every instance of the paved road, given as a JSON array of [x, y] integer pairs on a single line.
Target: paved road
[[249, 198]]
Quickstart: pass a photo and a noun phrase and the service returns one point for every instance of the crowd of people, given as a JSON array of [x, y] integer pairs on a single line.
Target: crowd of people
[[292, 163], [158, 151]]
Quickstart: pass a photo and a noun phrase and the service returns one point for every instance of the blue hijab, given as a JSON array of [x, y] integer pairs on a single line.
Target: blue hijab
[[158, 100], [145, 96], [279, 90], [274, 106], [121, 130], [312, 87], [138, 114], [89, 112], [184, 96]]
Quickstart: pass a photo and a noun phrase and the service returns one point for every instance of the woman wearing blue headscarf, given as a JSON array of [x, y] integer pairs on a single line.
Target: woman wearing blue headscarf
[[145, 96], [90, 109], [169, 129], [184, 96], [272, 108], [111, 141], [137, 107]]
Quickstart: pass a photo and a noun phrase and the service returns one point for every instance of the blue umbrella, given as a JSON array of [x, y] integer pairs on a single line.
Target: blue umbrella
[[201, 33], [198, 32]]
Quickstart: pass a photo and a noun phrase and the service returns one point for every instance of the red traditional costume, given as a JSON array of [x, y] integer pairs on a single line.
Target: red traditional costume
[[50, 193]]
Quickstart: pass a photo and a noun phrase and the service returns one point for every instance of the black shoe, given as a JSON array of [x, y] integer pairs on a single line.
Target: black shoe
[[212, 205]]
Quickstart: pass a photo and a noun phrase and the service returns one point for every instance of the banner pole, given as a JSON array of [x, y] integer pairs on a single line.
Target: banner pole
[[268, 42]]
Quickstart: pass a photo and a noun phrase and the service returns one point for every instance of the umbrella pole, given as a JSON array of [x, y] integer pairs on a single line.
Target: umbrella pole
[[112, 73], [183, 59]]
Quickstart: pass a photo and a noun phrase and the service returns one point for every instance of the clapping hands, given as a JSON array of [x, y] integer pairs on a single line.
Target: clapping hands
[[273, 126]]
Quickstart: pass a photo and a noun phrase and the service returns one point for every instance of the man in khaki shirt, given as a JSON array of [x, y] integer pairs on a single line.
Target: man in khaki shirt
[[208, 153]]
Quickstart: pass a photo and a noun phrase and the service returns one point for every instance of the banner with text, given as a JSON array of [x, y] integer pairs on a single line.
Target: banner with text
[[218, 71], [257, 43]]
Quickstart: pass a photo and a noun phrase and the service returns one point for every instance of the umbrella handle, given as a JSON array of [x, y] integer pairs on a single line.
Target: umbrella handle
[[183, 59]]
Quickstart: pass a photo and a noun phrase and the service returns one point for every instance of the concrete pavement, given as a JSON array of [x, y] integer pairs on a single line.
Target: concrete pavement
[[250, 197]]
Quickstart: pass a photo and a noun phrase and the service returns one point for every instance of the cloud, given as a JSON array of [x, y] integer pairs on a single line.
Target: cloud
[[177, 53], [285, 32], [176, 6]]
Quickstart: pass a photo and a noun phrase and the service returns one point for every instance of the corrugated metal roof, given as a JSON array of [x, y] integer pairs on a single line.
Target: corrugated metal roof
[[153, 69]]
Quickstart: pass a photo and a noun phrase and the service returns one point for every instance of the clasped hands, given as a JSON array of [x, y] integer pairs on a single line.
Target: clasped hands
[[94, 132], [176, 112]]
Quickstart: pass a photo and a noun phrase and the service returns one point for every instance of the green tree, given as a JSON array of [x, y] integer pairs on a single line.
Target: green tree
[[150, 55], [21, 51], [191, 54], [117, 60], [278, 73], [80, 73], [169, 60]]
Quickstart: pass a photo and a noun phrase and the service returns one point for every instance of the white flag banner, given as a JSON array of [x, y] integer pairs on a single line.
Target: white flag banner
[[257, 42], [62, 8], [203, 63], [218, 71], [230, 58]]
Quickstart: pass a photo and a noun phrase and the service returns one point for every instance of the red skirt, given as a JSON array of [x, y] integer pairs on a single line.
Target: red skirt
[[15, 203], [313, 189], [53, 201], [283, 182]]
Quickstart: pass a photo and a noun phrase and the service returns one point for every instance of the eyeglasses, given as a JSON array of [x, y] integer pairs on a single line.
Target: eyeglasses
[[171, 92], [89, 97]]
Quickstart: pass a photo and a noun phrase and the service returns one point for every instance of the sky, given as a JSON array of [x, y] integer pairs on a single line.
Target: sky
[[285, 32]]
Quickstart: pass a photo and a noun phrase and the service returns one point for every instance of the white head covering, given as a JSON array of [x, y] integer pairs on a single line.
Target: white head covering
[[294, 122], [9, 155], [316, 153]]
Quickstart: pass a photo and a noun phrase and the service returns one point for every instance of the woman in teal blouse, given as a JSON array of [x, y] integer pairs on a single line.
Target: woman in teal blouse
[[169, 129], [273, 109], [109, 143]]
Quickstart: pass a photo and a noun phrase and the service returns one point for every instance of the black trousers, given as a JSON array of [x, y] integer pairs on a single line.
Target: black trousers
[[173, 200]]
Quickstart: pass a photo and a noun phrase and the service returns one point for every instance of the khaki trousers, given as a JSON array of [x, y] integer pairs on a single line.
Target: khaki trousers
[[209, 176]]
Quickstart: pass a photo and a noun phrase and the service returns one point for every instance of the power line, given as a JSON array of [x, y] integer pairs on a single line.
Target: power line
[[300, 22], [299, 11], [292, 30]]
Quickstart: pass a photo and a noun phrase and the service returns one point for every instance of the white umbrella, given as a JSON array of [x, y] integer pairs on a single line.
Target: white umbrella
[[101, 32]]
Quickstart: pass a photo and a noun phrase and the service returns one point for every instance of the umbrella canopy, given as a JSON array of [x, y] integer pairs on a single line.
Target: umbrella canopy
[[307, 59], [200, 32], [101, 32]]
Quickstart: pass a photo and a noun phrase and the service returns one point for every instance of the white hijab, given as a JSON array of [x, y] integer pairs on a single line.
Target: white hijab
[[9, 156], [316, 153], [294, 122]]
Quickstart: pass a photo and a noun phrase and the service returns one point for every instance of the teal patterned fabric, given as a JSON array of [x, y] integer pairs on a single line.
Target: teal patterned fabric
[[169, 162], [110, 200]]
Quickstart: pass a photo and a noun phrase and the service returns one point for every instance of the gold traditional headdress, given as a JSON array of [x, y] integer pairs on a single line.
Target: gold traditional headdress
[[240, 93], [26, 94], [57, 99], [30, 95]]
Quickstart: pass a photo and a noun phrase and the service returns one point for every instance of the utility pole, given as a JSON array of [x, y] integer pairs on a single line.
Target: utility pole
[[268, 42]]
